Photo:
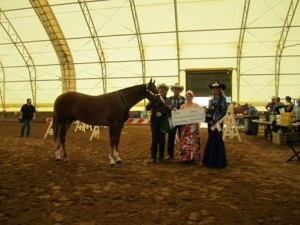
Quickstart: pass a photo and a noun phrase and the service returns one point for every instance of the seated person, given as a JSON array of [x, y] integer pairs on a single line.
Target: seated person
[[289, 104], [251, 110], [278, 106]]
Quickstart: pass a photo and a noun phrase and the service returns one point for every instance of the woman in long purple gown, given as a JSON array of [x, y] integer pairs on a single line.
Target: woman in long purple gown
[[214, 152]]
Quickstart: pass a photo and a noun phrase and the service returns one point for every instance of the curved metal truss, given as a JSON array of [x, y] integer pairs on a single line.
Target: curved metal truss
[[281, 43], [64, 54], [139, 38], [240, 45], [23, 51], [135, 48], [2, 87], [96, 41]]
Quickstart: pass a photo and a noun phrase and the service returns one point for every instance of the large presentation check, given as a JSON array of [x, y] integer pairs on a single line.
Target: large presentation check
[[188, 116]]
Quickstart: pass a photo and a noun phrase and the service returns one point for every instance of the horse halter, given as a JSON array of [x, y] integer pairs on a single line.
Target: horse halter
[[150, 92]]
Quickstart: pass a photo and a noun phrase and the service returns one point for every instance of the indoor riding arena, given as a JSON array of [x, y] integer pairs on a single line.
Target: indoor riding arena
[[88, 91], [257, 187]]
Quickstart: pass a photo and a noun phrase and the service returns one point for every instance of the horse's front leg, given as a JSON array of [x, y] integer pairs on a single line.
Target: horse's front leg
[[114, 156], [115, 133]]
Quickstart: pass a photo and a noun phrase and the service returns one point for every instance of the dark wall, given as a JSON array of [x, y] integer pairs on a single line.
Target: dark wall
[[198, 81]]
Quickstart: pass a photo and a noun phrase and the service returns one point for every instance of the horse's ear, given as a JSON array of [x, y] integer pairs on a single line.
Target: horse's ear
[[150, 81]]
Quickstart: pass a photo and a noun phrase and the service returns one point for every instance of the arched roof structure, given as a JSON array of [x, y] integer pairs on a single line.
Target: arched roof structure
[[48, 46]]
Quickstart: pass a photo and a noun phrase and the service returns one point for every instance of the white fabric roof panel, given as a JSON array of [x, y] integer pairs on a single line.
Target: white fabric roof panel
[[208, 37]]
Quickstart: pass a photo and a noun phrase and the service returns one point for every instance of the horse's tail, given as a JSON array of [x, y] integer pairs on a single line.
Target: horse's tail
[[56, 128]]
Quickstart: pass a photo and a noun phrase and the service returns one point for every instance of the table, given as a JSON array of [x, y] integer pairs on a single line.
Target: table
[[267, 128], [285, 127], [261, 121]]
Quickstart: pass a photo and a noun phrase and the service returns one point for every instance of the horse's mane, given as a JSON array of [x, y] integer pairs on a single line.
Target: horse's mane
[[132, 87]]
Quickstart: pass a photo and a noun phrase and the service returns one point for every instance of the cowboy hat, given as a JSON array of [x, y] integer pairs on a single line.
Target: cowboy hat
[[176, 85], [217, 84], [162, 85]]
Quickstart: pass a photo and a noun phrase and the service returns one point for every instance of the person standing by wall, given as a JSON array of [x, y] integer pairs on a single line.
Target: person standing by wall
[[270, 105], [159, 123], [176, 101], [289, 105], [214, 152], [27, 114], [278, 106]]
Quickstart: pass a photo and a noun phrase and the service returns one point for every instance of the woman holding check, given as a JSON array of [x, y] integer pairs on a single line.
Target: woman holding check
[[190, 148]]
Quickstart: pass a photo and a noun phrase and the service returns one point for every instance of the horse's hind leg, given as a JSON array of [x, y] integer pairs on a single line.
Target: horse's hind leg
[[62, 136], [111, 158], [57, 142], [66, 158], [57, 150]]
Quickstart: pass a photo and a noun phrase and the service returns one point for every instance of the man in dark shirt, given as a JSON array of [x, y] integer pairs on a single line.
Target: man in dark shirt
[[176, 101], [27, 113], [289, 105], [278, 106], [270, 105]]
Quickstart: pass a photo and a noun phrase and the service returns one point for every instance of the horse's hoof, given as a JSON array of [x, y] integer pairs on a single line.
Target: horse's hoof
[[119, 162], [57, 159]]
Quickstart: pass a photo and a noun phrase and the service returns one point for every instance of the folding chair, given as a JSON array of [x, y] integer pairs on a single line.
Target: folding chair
[[230, 128], [296, 152]]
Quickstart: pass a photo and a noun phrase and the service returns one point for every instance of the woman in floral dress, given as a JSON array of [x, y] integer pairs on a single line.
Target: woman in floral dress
[[190, 149]]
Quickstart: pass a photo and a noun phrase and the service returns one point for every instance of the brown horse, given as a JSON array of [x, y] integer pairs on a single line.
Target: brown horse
[[109, 109], [240, 109]]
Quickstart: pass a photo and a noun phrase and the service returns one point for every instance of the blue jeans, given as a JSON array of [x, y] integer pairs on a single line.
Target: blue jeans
[[26, 124]]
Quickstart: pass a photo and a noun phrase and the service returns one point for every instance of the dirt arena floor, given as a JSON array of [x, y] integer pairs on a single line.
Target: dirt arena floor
[[257, 187]]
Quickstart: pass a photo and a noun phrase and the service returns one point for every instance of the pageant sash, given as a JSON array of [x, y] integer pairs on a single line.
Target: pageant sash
[[217, 125]]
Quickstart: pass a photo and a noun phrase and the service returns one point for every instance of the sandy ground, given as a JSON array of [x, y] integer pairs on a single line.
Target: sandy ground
[[257, 187]]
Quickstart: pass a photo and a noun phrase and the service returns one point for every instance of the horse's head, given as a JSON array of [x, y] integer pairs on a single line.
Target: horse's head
[[152, 93]]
